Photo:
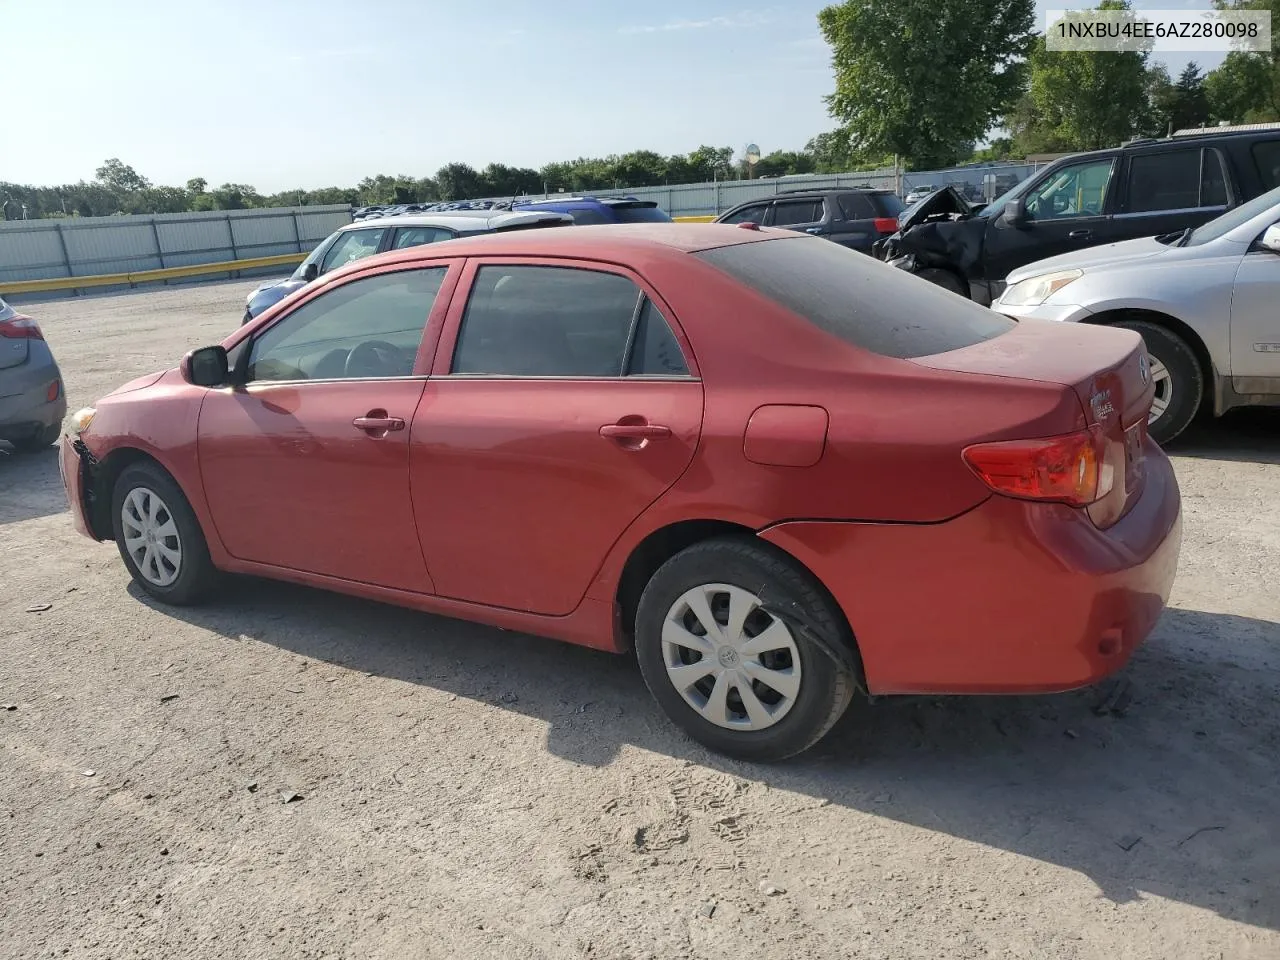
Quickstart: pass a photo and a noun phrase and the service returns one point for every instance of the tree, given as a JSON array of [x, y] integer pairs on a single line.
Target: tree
[[197, 184], [922, 80], [1243, 89], [1176, 105], [121, 177], [1082, 99], [458, 181]]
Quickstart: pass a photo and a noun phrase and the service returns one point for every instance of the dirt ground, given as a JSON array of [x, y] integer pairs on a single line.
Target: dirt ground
[[471, 793]]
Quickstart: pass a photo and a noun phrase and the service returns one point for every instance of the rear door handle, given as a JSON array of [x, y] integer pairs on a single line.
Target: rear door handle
[[634, 431], [814, 230], [1079, 234]]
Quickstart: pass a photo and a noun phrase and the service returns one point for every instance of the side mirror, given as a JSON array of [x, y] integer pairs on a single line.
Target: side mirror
[[206, 367], [1271, 238], [312, 271], [1015, 212]]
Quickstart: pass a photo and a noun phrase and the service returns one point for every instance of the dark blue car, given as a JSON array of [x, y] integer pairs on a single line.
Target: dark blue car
[[588, 210]]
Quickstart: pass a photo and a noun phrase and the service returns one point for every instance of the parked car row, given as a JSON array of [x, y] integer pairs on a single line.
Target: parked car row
[[583, 209], [33, 401]]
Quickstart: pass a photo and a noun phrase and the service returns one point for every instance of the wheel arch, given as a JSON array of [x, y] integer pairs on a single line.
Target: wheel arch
[[102, 482], [665, 542]]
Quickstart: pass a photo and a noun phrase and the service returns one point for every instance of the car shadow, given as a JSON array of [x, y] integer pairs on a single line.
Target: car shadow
[[1249, 435], [1174, 798], [30, 485]]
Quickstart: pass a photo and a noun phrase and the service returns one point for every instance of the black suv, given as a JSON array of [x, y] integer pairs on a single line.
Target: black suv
[[1144, 188], [853, 217]]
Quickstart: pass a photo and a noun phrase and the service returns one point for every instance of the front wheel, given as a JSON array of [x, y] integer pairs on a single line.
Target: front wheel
[[744, 651], [159, 537], [1178, 379]]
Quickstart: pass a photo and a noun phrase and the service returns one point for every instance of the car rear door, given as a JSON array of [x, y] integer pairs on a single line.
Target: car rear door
[[305, 462], [1166, 191], [807, 214], [563, 402]]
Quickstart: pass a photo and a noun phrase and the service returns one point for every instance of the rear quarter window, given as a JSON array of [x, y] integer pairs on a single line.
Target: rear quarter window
[[863, 302]]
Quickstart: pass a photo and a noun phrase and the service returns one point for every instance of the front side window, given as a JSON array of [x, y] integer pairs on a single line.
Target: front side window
[[367, 329], [752, 214], [352, 246], [533, 321], [788, 213], [1078, 190]]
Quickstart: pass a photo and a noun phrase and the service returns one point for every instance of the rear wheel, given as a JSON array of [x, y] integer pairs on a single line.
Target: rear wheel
[[1178, 379], [41, 440], [159, 537], [744, 651], [945, 279]]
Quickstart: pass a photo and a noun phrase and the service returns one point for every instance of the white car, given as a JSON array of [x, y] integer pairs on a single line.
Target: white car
[[1206, 301]]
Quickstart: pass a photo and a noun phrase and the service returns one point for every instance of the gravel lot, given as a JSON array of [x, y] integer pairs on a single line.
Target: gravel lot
[[470, 793]]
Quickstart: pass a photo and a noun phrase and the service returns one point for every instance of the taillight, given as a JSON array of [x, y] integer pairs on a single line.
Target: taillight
[[1071, 469], [886, 224], [19, 327]]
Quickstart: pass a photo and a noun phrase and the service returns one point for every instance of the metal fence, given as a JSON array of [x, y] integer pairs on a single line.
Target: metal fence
[[90, 246]]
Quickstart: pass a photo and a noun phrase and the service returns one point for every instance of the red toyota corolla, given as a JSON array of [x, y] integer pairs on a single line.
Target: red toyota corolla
[[779, 470]]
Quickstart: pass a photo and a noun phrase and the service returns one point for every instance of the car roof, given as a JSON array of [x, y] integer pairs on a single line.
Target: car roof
[[464, 221]]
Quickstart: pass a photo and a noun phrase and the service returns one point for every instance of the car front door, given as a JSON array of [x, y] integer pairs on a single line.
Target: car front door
[[1067, 210], [1255, 323], [562, 404], [305, 461]]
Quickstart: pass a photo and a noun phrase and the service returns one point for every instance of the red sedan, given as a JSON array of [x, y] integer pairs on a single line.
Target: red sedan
[[778, 470]]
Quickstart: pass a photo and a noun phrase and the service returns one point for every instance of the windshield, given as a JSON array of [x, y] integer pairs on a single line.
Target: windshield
[[1224, 224], [6, 311], [313, 257], [627, 214]]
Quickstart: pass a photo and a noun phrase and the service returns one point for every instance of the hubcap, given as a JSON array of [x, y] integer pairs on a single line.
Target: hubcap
[[732, 661], [151, 536], [1163, 381]]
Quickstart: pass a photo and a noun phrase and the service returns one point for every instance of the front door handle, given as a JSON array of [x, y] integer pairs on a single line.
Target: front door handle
[[1080, 235], [376, 423]]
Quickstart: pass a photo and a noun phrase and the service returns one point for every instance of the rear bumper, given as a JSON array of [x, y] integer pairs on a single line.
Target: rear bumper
[[28, 410], [74, 468], [1012, 597]]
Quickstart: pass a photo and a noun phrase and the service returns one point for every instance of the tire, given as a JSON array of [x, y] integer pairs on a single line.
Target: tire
[[742, 570], [945, 279], [1178, 395], [41, 440], [180, 582]]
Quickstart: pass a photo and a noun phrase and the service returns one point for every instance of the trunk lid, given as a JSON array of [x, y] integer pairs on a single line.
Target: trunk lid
[[1110, 373]]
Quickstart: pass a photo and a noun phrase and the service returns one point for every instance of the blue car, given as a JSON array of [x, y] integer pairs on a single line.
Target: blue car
[[588, 210], [364, 238]]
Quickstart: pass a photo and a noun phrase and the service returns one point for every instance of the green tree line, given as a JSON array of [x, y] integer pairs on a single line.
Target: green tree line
[[928, 80], [117, 188]]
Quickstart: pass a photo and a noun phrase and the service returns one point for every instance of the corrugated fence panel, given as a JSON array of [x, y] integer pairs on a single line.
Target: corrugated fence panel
[[31, 254], [202, 239], [315, 226], [265, 236], [114, 246]]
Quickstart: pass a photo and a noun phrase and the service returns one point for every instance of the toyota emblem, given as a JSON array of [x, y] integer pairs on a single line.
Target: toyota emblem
[[1144, 368]]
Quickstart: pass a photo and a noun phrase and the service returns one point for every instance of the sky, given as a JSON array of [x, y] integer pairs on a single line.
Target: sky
[[315, 93]]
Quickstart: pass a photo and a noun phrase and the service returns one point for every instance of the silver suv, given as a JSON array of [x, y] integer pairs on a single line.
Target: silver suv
[[1206, 301]]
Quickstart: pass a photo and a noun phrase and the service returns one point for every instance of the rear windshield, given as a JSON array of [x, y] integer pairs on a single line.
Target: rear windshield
[[626, 214], [858, 299], [887, 204]]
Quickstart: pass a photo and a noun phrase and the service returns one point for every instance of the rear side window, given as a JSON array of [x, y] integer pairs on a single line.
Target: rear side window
[[887, 204], [860, 300], [585, 216], [1266, 154], [856, 206], [788, 213], [533, 321], [1175, 180]]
